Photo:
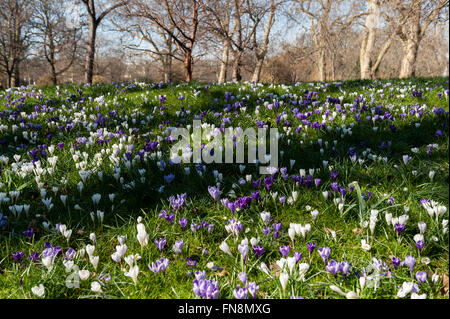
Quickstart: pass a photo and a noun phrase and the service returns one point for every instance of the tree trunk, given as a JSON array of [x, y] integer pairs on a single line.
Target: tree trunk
[[236, 74], [9, 83], [224, 62], [257, 72], [53, 69], [409, 59], [167, 66], [368, 41], [16, 77], [90, 57], [321, 63], [188, 66]]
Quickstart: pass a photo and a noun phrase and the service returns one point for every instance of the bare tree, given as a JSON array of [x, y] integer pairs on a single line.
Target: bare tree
[[328, 20], [179, 20], [418, 15], [94, 21], [56, 41], [14, 37], [218, 23], [260, 50], [159, 43]]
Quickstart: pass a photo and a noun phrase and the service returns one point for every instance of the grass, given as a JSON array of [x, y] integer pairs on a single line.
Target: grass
[[136, 110]]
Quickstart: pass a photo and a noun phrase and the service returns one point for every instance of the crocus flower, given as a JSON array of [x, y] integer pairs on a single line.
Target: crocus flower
[[324, 253], [225, 248], [214, 192], [133, 273], [159, 265], [396, 262], [240, 293], [311, 247], [421, 277], [284, 250], [178, 247], [252, 288], [298, 256], [332, 267], [18, 255], [160, 243], [243, 249], [410, 261], [207, 289], [420, 244], [258, 250], [399, 228], [344, 268], [38, 290], [183, 222], [190, 262]]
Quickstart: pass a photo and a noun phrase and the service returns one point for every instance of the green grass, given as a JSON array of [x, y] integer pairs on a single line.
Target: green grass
[[137, 102]]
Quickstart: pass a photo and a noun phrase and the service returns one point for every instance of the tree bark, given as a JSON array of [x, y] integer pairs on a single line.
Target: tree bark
[[236, 75], [90, 57], [188, 66], [224, 62], [16, 77], [409, 59], [368, 42], [258, 68], [321, 64]]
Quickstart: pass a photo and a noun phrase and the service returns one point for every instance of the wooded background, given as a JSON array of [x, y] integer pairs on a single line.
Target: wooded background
[[46, 42]]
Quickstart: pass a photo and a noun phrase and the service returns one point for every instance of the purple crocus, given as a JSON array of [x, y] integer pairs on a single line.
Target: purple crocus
[[399, 228], [421, 277], [18, 255], [190, 262], [159, 265], [214, 192], [410, 261], [344, 268], [70, 253], [311, 247], [324, 253], [243, 249], [240, 293], [243, 277], [298, 256], [420, 244], [396, 262], [332, 267], [258, 250], [284, 250], [29, 232], [183, 222], [34, 257], [207, 289], [160, 243], [252, 288]]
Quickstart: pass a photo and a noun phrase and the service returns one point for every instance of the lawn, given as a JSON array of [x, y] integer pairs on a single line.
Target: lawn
[[92, 206]]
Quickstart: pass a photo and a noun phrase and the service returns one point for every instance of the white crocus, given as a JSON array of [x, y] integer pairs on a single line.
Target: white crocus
[[406, 288], [133, 273], [38, 290], [284, 277], [96, 287], [83, 274], [142, 235]]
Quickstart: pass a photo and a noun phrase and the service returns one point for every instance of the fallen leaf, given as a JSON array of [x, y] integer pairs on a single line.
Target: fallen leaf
[[445, 283], [222, 273], [275, 269]]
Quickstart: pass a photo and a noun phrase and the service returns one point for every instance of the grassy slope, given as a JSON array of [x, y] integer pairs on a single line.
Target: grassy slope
[[145, 201]]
